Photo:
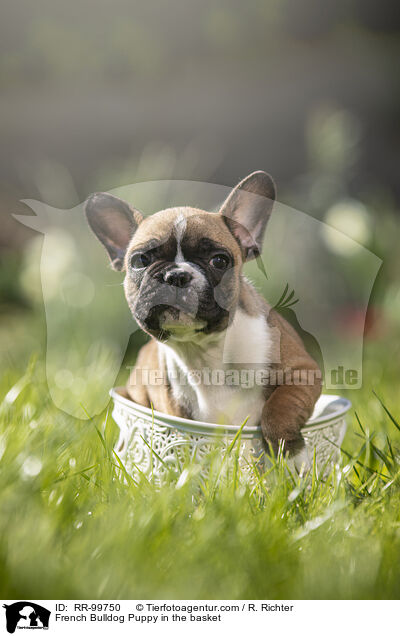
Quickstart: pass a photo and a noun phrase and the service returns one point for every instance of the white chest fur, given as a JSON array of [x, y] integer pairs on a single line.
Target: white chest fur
[[201, 377]]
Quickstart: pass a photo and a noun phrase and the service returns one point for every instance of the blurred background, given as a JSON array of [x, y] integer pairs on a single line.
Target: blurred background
[[97, 95]]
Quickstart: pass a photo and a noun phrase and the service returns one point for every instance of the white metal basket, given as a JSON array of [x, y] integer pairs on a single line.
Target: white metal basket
[[150, 442]]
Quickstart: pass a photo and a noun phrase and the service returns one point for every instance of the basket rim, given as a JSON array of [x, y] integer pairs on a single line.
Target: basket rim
[[337, 406]]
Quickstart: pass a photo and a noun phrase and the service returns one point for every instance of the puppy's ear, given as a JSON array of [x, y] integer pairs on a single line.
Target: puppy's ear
[[114, 222], [247, 209]]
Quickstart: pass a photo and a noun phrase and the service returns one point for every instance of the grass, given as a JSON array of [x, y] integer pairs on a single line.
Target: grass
[[73, 526]]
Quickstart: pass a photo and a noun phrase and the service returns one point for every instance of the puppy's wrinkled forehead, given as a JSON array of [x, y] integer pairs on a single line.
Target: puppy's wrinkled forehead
[[239, 226], [185, 227]]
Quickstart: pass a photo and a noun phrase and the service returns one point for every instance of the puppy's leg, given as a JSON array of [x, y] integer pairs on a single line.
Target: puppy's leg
[[137, 387], [285, 413], [290, 404], [148, 384]]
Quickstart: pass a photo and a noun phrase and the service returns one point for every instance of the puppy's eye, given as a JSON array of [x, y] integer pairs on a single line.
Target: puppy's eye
[[141, 260], [220, 261]]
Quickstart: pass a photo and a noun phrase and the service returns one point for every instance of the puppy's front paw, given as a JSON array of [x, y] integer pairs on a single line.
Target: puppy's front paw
[[292, 448], [300, 462], [295, 446], [296, 453]]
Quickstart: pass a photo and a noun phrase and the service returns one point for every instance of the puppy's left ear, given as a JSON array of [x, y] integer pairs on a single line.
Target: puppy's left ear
[[247, 209]]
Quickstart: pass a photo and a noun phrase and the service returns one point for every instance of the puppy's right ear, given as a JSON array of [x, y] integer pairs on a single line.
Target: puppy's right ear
[[114, 222]]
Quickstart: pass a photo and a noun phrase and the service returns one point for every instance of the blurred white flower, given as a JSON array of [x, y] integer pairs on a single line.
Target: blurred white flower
[[58, 259], [347, 227], [182, 479], [31, 467]]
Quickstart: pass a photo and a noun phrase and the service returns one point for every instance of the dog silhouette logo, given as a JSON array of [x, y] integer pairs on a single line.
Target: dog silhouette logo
[[26, 615], [83, 299]]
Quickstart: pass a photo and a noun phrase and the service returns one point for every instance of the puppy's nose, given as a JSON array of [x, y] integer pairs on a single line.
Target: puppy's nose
[[178, 278]]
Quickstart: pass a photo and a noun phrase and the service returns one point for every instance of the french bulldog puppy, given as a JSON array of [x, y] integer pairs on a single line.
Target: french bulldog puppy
[[185, 287]]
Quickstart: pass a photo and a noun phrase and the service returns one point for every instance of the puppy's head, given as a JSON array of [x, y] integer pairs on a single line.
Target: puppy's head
[[182, 265]]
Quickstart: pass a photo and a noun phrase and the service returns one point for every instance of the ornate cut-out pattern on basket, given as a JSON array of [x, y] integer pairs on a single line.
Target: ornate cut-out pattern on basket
[[154, 448]]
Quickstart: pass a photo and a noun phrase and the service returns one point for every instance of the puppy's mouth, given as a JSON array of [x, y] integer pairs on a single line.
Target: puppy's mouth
[[179, 324], [165, 321]]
